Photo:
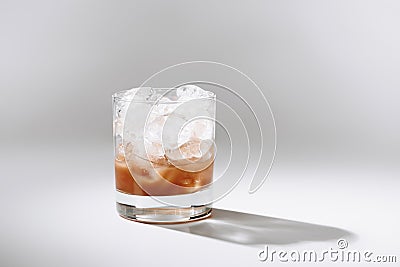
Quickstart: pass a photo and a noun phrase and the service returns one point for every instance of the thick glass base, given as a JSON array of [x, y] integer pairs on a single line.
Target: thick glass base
[[164, 214]]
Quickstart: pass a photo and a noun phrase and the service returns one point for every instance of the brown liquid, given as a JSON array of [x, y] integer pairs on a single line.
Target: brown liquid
[[161, 179]]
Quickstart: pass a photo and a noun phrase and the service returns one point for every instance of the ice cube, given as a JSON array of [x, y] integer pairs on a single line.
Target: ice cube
[[153, 130], [197, 149], [154, 150], [164, 106], [192, 156], [154, 127], [191, 149], [191, 91], [153, 137], [197, 129], [145, 94]]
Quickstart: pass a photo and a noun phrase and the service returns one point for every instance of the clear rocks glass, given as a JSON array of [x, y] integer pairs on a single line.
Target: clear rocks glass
[[164, 153]]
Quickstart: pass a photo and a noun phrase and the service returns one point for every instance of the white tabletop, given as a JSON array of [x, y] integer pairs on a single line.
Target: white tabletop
[[58, 209]]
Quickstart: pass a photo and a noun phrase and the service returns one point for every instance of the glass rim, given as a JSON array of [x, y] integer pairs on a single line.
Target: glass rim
[[119, 96]]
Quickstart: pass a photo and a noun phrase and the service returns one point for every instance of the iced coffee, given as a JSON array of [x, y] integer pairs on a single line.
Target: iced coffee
[[164, 153]]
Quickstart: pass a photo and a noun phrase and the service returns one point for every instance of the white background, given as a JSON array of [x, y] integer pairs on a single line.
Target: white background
[[330, 70]]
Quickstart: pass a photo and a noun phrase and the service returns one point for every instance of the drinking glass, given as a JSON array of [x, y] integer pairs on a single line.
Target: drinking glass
[[164, 153]]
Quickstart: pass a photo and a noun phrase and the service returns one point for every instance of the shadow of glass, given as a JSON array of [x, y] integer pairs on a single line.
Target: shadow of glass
[[251, 229]]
